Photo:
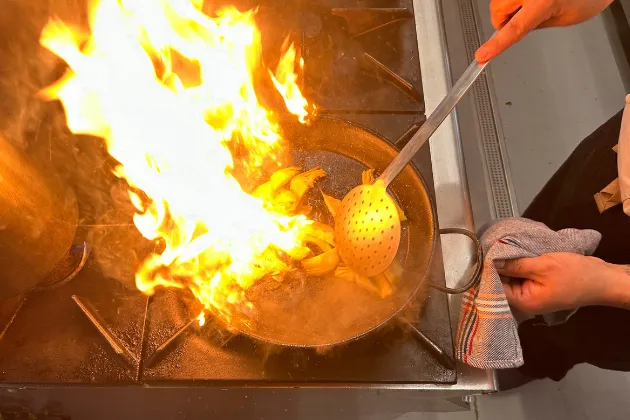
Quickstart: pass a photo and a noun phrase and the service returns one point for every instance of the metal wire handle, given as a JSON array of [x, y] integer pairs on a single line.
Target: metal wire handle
[[478, 267], [432, 123]]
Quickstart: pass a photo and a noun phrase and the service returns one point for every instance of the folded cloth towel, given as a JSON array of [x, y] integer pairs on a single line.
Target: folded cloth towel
[[488, 335]]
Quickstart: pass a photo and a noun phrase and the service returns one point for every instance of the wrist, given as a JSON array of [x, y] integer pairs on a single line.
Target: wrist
[[616, 287]]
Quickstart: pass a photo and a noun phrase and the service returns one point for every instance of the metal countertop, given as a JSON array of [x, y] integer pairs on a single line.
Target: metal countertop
[[454, 202]]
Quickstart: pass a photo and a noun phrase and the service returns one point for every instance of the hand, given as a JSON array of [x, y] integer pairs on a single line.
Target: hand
[[560, 281], [513, 24]]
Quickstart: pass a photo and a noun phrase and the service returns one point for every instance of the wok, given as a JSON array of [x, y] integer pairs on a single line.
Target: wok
[[325, 311]]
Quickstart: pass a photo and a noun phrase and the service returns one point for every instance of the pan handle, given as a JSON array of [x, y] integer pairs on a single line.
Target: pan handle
[[478, 267]]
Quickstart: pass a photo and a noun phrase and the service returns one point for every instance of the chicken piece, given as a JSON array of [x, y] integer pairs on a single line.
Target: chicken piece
[[321, 232], [278, 179], [344, 272], [288, 200], [383, 285], [285, 201], [302, 183], [332, 204], [299, 253], [394, 272], [321, 264], [380, 285]]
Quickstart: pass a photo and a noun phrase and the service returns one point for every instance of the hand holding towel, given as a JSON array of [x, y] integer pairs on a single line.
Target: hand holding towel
[[488, 336]]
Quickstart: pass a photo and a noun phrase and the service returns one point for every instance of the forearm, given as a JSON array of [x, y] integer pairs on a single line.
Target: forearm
[[617, 287]]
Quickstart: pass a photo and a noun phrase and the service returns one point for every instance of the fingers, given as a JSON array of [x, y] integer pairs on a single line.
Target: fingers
[[515, 293], [516, 290], [502, 10], [512, 290], [529, 17], [523, 268]]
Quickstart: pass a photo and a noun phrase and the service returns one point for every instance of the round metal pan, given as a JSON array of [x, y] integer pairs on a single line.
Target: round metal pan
[[325, 311]]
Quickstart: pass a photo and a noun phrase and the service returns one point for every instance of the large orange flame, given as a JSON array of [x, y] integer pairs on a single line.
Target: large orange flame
[[169, 88]]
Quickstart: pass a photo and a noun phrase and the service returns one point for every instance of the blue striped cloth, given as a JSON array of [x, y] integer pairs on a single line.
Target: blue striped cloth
[[488, 334]]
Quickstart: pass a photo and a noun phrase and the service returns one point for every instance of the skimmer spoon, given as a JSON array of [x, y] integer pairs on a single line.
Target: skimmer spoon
[[367, 227]]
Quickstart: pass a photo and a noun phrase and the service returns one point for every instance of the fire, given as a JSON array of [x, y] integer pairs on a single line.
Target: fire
[[202, 319], [171, 91], [285, 81]]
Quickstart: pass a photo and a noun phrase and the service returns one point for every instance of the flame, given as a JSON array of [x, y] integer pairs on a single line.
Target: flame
[[285, 80], [201, 319], [171, 91]]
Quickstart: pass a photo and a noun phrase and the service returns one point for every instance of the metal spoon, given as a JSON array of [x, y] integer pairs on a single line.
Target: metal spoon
[[367, 227]]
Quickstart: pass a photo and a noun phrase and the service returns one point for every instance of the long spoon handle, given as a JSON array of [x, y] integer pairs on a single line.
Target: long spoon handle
[[433, 122]]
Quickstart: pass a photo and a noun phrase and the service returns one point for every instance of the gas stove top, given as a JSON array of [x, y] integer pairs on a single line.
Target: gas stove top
[[361, 66]]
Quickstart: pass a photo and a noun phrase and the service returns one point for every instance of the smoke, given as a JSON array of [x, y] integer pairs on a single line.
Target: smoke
[[39, 129]]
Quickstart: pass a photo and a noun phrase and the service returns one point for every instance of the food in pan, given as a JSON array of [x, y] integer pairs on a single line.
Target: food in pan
[[285, 191]]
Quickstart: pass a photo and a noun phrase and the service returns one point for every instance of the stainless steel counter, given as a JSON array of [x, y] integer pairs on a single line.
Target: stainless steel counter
[[447, 38]]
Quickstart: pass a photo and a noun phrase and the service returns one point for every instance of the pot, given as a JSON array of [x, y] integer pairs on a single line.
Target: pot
[[38, 220]]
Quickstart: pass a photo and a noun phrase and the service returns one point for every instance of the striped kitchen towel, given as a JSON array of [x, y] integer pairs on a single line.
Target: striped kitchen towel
[[488, 334]]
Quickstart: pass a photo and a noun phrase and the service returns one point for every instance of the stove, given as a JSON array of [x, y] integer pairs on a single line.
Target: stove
[[362, 66]]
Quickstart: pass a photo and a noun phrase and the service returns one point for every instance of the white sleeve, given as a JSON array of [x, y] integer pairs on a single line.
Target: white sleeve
[[623, 158]]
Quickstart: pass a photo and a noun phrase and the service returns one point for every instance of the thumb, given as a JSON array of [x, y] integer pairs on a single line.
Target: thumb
[[522, 268], [531, 15]]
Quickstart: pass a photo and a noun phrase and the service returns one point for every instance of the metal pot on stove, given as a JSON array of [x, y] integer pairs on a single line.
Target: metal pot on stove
[[38, 220]]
